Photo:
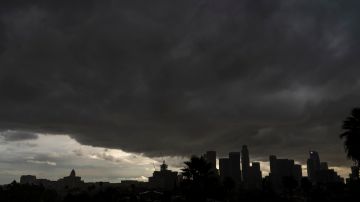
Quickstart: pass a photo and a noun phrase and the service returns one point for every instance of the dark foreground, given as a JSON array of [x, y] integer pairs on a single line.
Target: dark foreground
[[16, 192]]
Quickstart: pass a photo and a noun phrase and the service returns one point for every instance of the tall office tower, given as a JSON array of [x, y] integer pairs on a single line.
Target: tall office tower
[[254, 177], [210, 157], [297, 172], [224, 167], [234, 158], [245, 162], [313, 164], [324, 166], [273, 163], [280, 168]]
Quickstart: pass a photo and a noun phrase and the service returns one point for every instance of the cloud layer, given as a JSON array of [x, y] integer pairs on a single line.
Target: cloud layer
[[53, 157], [181, 77]]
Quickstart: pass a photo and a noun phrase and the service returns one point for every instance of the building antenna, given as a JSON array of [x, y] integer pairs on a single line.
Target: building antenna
[[154, 166]]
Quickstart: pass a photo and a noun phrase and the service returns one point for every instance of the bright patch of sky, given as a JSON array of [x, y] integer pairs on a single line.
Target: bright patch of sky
[[53, 156]]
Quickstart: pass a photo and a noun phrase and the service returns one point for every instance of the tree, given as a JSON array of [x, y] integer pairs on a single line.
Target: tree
[[351, 135], [197, 169], [199, 179]]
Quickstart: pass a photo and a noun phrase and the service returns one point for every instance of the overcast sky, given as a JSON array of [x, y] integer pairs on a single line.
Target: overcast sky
[[173, 78]]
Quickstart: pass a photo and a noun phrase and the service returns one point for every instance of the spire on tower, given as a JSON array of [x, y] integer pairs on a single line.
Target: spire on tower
[[72, 174]]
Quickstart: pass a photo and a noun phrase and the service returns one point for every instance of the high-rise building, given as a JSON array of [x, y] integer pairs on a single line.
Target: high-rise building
[[327, 176], [234, 160], [313, 164], [224, 167], [245, 162], [254, 178], [210, 157], [273, 159], [251, 175], [283, 168], [297, 172], [324, 166], [319, 172]]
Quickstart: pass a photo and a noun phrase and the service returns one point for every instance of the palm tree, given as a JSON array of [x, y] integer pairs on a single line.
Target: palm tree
[[197, 178], [351, 135], [197, 169]]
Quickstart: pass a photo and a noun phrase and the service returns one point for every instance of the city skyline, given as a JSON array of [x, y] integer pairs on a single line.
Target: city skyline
[[112, 88], [264, 166]]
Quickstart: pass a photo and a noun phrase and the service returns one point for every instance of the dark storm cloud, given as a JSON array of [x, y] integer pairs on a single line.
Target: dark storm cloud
[[11, 135], [177, 77]]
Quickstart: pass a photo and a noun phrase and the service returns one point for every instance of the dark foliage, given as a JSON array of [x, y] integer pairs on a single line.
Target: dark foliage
[[200, 181], [351, 135], [308, 193]]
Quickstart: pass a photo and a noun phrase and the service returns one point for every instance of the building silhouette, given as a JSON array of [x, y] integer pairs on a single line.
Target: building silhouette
[[164, 179], [251, 174], [230, 167], [313, 165], [245, 163], [28, 179], [234, 161], [254, 177], [319, 172], [281, 169], [224, 168], [210, 157], [70, 181], [324, 166], [327, 176], [237, 167]]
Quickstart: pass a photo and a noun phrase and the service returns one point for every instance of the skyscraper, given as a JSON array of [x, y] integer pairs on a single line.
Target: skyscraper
[[313, 164], [282, 168], [224, 167], [245, 162], [297, 172], [324, 166], [234, 160], [254, 179], [272, 163], [210, 157]]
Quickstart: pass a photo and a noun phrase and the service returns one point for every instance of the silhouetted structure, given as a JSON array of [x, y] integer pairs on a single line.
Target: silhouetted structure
[[210, 157], [319, 172], [28, 179], [324, 166], [230, 167], [327, 176], [245, 163], [254, 177], [164, 179], [224, 168], [313, 165], [200, 183], [281, 169], [70, 181], [251, 175], [235, 172]]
